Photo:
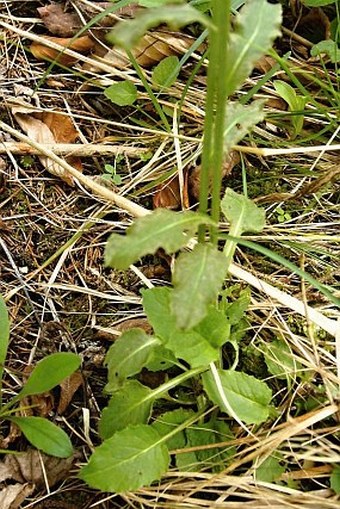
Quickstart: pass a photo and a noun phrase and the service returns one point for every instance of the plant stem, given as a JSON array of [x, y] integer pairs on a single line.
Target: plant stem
[[213, 147]]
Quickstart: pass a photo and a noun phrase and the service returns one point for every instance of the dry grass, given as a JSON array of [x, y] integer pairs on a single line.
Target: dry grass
[[60, 297]]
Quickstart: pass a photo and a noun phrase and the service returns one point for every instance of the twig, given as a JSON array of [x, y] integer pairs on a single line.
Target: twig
[[72, 149], [329, 325]]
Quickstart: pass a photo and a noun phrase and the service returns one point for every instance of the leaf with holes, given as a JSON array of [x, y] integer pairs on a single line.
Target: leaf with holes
[[197, 279]]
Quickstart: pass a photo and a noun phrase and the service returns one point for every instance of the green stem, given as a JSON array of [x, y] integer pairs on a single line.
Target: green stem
[[213, 150]]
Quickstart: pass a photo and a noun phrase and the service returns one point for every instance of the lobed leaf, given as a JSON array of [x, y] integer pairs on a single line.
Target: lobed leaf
[[162, 228], [131, 458], [240, 120], [130, 405], [256, 27], [127, 33], [49, 372], [45, 435], [197, 279], [248, 397], [242, 213], [128, 355]]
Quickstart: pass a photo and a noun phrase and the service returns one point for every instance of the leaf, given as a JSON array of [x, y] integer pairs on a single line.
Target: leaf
[[235, 310], [127, 33], [192, 348], [45, 435], [130, 405], [68, 388], [215, 327], [296, 103], [128, 355], [197, 279], [248, 397], [156, 304], [123, 93], [167, 422], [256, 27], [161, 359], [131, 458], [329, 47], [42, 51], [270, 469], [280, 360], [242, 213], [335, 479], [240, 120], [4, 335], [162, 228], [166, 72], [58, 22], [49, 372]]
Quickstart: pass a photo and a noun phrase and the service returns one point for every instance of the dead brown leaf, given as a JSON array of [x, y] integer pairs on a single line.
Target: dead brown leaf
[[41, 51], [265, 64], [169, 195], [314, 26], [141, 323], [59, 22], [232, 159], [150, 50], [48, 128], [68, 388], [27, 467], [12, 496]]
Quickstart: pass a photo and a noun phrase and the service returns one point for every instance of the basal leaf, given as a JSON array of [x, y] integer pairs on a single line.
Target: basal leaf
[[215, 327], [240, 120], [335, 479], [167, 422], [248, 397], [127, 33], [162, 228], [270, 469], [161, 359], [156, 304], [4, 334], [131, 458], [242, 213], [45, 435], [49, 372], [235, 310], [130, 405], [197, 279], [123, 93], [192, 348], [128, 355], [256, 27], [166, 72], [280, 360]]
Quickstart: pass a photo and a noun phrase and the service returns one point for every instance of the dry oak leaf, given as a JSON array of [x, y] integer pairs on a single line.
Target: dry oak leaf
[[32, 466], [12, 496], [59, 22], [42, 51], [58, 128], [151, 49]]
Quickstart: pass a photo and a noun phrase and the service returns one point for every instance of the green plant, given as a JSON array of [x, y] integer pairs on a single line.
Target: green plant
[[191, 320], [111, 174], [48, 373], [295, 103]]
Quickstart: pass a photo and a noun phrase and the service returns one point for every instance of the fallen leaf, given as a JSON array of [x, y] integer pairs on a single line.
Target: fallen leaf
[[314, 26], [265, 64], [59, 22], [27, 467], [232, 159], [49, 128], [42, 51], [12, 496], [68, 388], [151, 49], [131, 323], [168, 195]]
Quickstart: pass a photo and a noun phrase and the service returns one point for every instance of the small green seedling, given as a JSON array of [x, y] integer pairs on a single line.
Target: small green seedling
[[282, 215], [47, 374], [296, 104], [111, 174]]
